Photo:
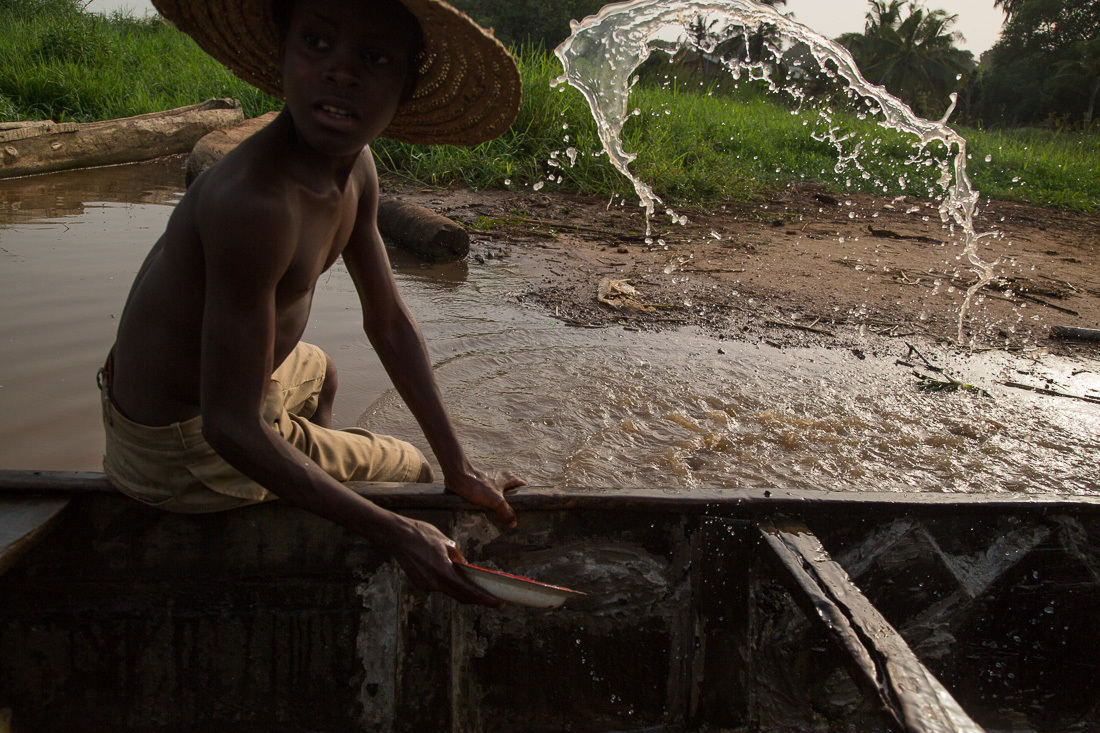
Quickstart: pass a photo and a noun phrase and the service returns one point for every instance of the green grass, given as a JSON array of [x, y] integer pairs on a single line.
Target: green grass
[[57, 62], [1057, 169], [713, 147]]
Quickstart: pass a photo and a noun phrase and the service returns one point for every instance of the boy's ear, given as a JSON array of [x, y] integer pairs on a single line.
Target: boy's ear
[[411, 79], [407, 91]]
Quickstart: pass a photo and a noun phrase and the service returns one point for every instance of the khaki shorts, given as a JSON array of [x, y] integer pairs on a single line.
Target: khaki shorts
[[173, 467]]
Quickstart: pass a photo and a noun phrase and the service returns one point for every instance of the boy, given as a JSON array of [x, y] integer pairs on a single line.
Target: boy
[[210, 400]]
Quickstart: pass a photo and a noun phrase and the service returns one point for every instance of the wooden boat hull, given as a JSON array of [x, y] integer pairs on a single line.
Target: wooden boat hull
[[123, 618]]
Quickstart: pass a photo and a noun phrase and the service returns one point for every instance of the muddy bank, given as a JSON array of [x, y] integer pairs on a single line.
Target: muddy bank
[[801, 267]]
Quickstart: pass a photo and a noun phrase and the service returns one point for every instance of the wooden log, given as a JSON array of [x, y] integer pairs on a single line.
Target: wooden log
[[47, 148], [1077, 334], [422, 231], [23, 521], [879, 658], [213, 146]]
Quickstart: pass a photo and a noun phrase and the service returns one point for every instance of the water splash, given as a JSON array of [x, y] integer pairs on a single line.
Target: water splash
[[604, 51]]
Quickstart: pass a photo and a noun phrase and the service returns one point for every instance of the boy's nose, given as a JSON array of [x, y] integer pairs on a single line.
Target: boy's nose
[[342, 72], [342, 78]]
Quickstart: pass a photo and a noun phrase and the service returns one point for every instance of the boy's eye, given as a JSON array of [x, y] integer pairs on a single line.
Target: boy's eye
[[315, 42], [379, 58]]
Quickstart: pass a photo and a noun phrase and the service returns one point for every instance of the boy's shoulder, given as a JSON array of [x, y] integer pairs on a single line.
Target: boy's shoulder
[[265, 171], [259, 163], [263, 189], [244, 198], [241, 189], [274, 161]]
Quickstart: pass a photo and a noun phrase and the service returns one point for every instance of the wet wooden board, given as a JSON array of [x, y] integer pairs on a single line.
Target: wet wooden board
[[879, 658], [53, 483], [23, 521], [732, 500]]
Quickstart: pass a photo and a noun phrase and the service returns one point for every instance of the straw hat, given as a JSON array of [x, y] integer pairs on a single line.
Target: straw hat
[[468, 89]]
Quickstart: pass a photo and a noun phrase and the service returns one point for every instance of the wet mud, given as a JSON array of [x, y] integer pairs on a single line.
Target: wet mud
[[798, 267]]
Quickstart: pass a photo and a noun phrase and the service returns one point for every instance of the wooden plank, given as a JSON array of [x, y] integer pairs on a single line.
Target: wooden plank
[[1081, 334], [879, 658], [24, 521], [733, 501], [53, 482]]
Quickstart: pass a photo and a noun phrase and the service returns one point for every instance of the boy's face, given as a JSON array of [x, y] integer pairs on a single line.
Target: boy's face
[[346, 64]]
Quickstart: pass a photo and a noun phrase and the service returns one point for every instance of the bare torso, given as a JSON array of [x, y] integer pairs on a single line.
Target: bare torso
[[225, 294], [157, 354]]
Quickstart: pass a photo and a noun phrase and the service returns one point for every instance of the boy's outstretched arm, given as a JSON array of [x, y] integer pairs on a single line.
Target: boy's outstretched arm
[[396, 338], [248, 244]]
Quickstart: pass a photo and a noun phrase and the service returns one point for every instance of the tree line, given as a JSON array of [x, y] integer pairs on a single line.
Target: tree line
[[1043, 70]]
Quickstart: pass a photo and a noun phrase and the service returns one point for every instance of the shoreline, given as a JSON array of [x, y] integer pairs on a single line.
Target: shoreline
[[801, 267]]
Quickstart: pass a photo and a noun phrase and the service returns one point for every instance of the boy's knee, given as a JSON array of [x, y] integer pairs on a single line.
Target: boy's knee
[[426, 476], [329, 385]]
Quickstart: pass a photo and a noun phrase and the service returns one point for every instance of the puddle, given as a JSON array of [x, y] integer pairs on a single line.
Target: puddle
[[561, 406]]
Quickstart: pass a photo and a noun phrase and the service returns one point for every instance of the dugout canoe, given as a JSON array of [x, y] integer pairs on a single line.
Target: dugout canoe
[[44, 147], [706, 610]]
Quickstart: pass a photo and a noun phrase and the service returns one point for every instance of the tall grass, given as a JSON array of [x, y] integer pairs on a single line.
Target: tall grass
[[690, 146], [58, 62], [694, 143], [699, 146], [1044, 167]]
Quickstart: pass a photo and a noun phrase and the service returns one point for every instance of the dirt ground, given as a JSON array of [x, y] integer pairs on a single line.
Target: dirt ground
[[800, 267]]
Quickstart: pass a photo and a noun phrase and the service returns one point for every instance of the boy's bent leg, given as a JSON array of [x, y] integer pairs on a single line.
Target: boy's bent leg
[[326, 397], [426, 476], [354, 454], [299, 407]]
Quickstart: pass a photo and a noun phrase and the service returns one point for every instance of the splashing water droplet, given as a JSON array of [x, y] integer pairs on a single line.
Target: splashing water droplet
[[605, 49]]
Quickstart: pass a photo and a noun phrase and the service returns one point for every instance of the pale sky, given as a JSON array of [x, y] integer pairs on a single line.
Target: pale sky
[[979, 21]]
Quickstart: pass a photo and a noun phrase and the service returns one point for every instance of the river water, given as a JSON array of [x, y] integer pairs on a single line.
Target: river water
[[559, 405]]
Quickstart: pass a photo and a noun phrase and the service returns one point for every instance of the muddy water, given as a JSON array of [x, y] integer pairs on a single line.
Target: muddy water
[[562, 406]]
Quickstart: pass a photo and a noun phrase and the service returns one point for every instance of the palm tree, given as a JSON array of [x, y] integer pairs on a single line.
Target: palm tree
[[748, 48], [1008, 6], [1085, 70], [914, 56]]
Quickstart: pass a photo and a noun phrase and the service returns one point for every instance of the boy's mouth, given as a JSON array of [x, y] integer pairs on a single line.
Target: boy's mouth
[[338, 112]]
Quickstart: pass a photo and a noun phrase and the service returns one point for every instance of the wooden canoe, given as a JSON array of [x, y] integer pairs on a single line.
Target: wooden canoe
[[761, 610], [44, 147]]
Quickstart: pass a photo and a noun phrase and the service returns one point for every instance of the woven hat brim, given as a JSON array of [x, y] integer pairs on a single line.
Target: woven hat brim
[[468, 88]]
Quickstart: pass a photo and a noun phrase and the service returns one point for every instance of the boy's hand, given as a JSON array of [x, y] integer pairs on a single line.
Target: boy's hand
[[486, 488], [427, 556]]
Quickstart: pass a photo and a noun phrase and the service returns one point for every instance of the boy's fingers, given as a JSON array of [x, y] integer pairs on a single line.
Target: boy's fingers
[[454, 553], [505, 511], [469, 593], [512, 481]]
